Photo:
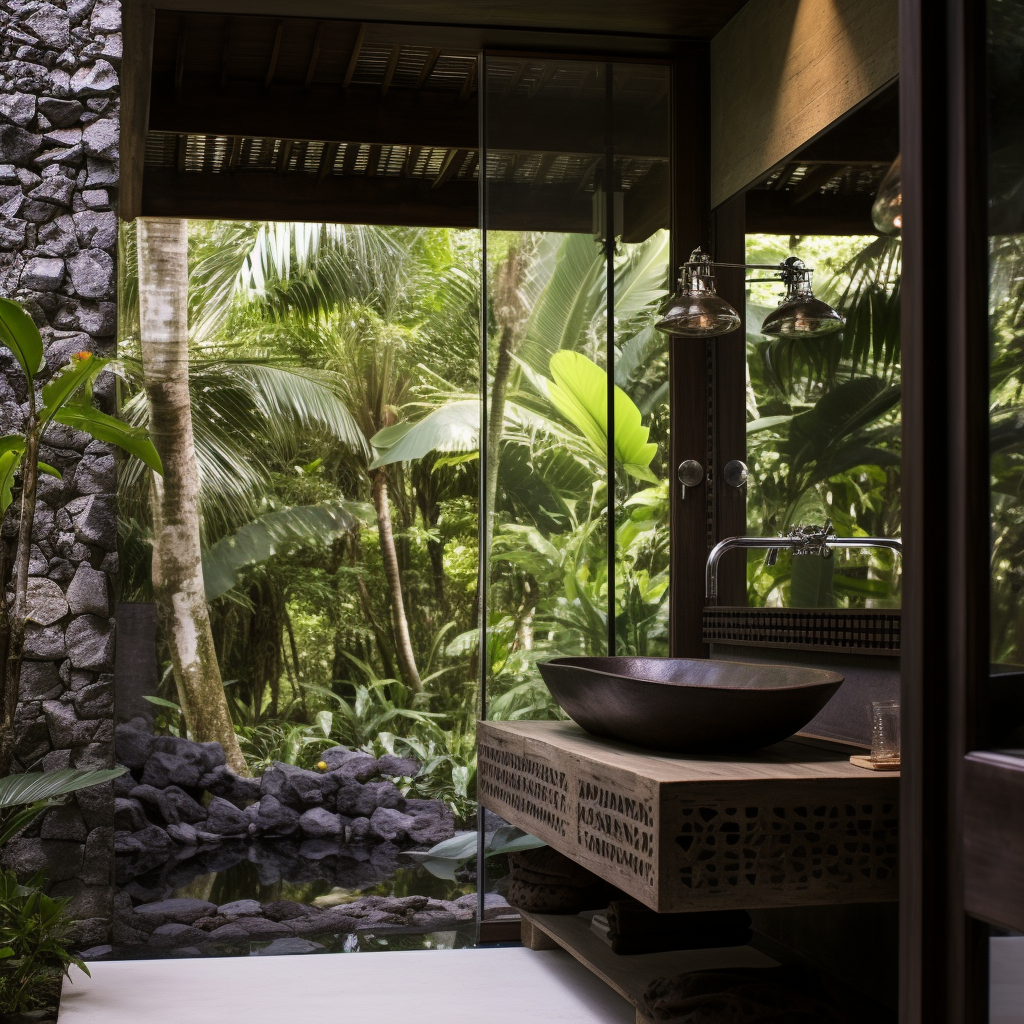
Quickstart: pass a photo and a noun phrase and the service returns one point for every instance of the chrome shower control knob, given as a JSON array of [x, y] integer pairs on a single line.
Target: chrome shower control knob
[[690, 473], [735, 473]]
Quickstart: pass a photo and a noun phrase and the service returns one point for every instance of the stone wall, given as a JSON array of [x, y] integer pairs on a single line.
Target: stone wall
[[59, 104]]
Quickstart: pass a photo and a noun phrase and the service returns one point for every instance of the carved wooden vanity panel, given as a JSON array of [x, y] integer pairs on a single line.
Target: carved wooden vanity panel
[[791, 825]]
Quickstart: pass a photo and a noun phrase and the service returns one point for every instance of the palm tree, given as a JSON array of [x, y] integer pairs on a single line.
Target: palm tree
[[177, 557]]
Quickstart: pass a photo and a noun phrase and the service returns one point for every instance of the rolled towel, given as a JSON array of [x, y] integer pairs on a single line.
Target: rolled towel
[[634, 928]]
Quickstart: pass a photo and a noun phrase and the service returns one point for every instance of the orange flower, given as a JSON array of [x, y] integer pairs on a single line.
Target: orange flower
[[83, 355]]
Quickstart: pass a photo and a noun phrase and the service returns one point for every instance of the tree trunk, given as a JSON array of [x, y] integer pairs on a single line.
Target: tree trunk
[[510, 314], [14, 638], [403, 643], [177, 561]]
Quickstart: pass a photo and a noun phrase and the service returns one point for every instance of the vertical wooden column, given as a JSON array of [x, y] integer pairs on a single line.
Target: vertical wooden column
[[945, 497], [690, 361], [136, 72]]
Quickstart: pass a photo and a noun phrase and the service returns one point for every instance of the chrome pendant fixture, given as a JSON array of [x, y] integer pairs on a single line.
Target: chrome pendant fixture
[[698, 311], [800, 314]]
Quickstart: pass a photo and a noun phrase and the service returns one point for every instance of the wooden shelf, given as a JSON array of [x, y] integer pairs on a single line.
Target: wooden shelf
[[629, 976], [791, 825]]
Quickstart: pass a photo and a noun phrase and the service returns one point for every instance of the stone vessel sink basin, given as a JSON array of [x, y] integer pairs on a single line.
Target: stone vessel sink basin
[[688, 706]]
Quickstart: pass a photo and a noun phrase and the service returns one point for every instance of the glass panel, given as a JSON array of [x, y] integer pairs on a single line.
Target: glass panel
[[823, 431], [641, 267], [575, 151], [1005, 710]]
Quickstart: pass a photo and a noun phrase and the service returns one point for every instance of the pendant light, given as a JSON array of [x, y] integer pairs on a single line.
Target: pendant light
[[800, 314], [887, 209], [698, 311]]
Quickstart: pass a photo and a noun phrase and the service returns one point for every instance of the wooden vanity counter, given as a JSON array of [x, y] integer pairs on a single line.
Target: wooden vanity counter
[[792, 825]]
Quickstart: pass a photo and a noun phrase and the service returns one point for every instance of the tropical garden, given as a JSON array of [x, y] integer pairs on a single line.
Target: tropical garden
[[334, 383]]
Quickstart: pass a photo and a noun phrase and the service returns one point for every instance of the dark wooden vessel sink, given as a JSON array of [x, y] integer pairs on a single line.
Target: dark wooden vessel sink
[[688, 705]]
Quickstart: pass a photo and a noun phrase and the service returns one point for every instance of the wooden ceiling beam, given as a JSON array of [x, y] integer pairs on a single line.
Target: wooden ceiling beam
[[327, 158], [179, 57], [389, 70], [772, 213], [353, 61], [373, 161], [348, 161], [359, 200], [274, 53], [428, 67], [450, 166], [813, 180], [467, 87], [314, 56], [412, 155], [402, 118], [234, 153], [284, 152]]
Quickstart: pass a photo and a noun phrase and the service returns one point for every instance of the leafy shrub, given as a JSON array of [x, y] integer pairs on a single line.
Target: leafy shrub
[[33, 950]]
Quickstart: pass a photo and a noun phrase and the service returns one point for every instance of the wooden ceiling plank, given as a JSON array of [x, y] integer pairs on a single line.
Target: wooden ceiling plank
[[353, 61], [428, 67], [412, 156], [784, 175], [275, 50], [471, 161], [314, 56], [327, 158], [301, 148], [180, 154], [545, 76], [588, 174], [450, 166], [389, 70]]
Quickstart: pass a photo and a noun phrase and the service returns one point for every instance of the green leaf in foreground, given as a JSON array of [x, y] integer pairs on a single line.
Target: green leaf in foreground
[[579, 391], [20, 334], [134, 440], [32, 786]]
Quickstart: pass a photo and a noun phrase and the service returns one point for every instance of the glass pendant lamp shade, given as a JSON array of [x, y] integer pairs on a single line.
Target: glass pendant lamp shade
[[800, 314], [697, 310], [887, 210]]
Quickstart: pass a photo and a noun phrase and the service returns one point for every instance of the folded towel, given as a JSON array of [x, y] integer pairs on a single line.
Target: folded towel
[[634, 928], [771, 995], [547, 882]]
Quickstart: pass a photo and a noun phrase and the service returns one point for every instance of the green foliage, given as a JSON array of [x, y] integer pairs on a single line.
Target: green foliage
[[25, 796], [33, 945], [259, 540], [19, 333], [823, 430]]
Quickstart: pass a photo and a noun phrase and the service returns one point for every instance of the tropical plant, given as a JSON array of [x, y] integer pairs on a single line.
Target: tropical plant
[[446, 858], [34, 938], [24, 797], [823, 430], [67, 399]]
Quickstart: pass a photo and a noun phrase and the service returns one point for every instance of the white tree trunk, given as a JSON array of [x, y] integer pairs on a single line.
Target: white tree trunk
[[177, 561]]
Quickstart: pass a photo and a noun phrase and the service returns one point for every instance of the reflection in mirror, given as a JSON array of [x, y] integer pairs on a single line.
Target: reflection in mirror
[[823, 426]]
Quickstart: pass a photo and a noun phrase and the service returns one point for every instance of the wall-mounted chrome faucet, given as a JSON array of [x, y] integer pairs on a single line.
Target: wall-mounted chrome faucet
[[801, 540]]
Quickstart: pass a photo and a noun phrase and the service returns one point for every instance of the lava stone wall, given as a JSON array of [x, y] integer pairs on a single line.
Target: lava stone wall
[[59, 130]]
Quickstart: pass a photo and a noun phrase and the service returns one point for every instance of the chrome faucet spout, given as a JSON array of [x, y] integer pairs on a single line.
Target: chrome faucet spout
[[802, 541]]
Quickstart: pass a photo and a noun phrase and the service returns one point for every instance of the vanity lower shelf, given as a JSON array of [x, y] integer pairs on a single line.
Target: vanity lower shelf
[[791, 825], [629, 976]]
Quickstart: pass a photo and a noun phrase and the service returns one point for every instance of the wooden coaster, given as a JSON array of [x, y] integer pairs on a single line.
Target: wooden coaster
[[863, 761]]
